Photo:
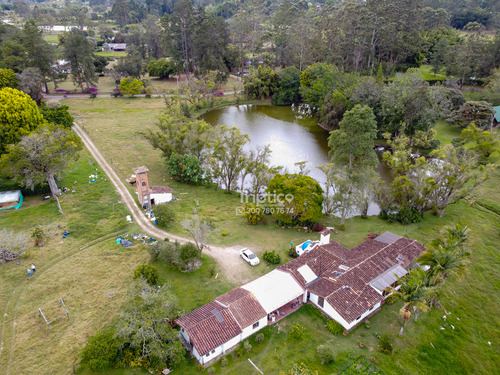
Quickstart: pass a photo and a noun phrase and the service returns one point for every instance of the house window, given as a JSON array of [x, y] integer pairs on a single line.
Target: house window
[[359, 317], [255, 325], [207, 355], [321, 301], [213, 351], [143, 184]]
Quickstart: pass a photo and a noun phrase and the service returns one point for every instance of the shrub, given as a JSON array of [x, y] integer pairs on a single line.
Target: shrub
[[325, 354], [239, 351], [297, 331], [407, 215], [334, 327], [259, 338], [292, 253], [189, 259], [316, 227], [211, 371], [223, 362], [390, 300], [186, 169], [247, 346], [164, 214], [342, 227], [385, 345], [39, 236], [253, 213], [101, 350], [147, 272], [223, 234], [272, 257]]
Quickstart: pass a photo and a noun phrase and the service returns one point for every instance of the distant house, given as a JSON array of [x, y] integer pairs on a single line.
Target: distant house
[[346, 285], [115, 47], [11, 199], [150, 195]]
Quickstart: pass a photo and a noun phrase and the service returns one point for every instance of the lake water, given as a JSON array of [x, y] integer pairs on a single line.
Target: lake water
[[292, 137]]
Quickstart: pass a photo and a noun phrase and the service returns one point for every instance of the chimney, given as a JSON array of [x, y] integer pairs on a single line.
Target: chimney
[[325, 236]]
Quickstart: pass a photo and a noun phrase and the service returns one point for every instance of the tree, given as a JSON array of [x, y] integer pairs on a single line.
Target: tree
[[352, 144], [39, 53], [296, 199], [13, 55], [447, 257], [287, 91], [147, 272], [186, 169], [260, 83], [145, 325], [30, 82], [8, 78], [414, 292], [79, 51], [56, 113], [226, 158], [164, 214], [479, 112], [19, 116], [200, 230], [178, 134], [161, 68], [41, 156], [131, 65], [407, 105], [120, 11], [484, 142], [101, 351], [131, 86]]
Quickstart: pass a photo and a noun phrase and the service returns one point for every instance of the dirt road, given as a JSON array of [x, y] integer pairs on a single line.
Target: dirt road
[[232, 266]]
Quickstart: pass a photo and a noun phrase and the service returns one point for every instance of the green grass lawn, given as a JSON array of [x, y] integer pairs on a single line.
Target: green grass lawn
[[111, 53], [446, 132], [51, 38]]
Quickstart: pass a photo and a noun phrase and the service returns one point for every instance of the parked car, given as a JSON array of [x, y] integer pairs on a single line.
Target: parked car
[[249, 257]]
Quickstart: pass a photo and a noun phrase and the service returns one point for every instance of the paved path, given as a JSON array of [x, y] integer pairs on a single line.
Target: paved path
[[233, 267]]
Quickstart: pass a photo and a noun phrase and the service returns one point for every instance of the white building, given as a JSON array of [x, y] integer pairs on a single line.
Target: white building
[[346, 285]]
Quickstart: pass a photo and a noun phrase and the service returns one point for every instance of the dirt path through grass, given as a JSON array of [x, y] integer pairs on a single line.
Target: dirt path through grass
[[233, 268]]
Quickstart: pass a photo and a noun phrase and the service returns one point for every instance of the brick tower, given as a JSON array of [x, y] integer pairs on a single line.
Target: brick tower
[[141, 178]]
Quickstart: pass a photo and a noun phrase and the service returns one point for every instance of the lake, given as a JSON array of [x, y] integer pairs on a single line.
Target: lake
[[293, 137]]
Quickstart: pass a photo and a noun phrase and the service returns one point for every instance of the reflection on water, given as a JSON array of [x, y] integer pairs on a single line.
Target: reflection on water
[[292, 136]]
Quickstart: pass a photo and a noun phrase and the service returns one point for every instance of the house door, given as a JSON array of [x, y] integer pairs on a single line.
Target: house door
[[152, 202]]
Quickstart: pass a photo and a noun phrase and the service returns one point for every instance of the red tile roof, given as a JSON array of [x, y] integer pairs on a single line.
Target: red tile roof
[[207, 331], [339, 267], [142, 169], [160, 189], [243, 305]]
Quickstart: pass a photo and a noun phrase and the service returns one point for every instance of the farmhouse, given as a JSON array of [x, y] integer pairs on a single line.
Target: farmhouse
[[150, 195], [346, 285]]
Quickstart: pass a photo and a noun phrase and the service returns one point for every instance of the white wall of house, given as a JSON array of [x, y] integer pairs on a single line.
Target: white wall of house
[[248, 331], [228, 345], [161, 198]]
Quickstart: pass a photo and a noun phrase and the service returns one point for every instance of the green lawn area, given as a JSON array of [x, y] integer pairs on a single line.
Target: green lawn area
[[427, 72], [446, 132], [51, 38], [111, 53]]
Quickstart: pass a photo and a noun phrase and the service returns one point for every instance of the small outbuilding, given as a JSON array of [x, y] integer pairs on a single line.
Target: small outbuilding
[[11, 199], [150, 195]]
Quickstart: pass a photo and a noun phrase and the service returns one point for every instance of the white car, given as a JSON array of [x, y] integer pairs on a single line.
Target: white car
[[249, 257]]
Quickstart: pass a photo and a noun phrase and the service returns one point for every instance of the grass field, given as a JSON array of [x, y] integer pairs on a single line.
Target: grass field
[[106, 84], [88, 265]]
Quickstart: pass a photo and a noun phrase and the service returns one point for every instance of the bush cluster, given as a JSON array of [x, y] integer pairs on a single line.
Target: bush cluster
[[297, 331], [334, 327], [325, 354], [164, 214], [272, 257], [292, 253], [405, 215], [385, 344], [147, 272], [101, 351]]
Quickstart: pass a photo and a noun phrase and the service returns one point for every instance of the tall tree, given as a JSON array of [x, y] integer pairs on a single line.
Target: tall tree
[[79, 51], [352, 144], [41, 157], [19, 116], [145, 324], [200, 230], [226, 158], [120, 10]]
